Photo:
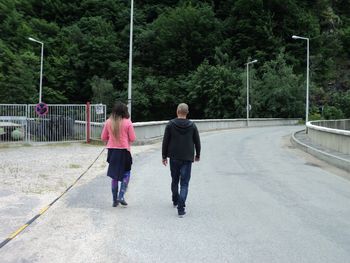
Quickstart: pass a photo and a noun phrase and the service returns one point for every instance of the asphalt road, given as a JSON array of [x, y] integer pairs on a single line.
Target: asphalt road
[[252, 198]]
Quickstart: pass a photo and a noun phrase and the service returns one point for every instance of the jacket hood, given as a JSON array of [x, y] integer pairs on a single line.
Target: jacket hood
[[182, 125]]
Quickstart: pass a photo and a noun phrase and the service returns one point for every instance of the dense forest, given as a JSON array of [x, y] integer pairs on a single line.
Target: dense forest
[[184, 51]]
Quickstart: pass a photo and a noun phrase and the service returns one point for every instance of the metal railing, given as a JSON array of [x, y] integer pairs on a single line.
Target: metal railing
[[97, 119], [341, 124], [60, 123], [13, 122]]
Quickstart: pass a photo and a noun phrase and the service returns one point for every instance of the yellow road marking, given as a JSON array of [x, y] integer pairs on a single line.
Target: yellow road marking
[[43, 210], [18, 231]]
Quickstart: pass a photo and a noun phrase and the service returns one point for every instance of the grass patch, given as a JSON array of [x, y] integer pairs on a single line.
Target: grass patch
[[96, 142], [5, 145], [74, 166], [56, 144], [44, 176]]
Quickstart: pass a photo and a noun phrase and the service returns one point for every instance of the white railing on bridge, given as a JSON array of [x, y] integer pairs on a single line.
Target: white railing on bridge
[[332, 134]]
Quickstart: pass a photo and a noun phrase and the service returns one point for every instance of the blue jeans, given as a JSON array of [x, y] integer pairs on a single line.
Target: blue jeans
[[180, 172]]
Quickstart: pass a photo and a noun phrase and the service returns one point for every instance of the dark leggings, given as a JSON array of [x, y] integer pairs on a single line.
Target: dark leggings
[[123, 187]]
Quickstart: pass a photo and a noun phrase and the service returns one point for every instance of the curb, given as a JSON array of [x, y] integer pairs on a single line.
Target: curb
[[327, 157]]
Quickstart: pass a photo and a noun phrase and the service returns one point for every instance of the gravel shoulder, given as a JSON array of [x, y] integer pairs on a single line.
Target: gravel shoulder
[[31, 177]]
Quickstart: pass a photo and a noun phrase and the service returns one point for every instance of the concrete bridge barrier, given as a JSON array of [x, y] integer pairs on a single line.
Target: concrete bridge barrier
[[333, 134], [147, 132]]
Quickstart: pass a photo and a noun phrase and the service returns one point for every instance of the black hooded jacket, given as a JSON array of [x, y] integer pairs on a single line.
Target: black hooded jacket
[[180, 138]]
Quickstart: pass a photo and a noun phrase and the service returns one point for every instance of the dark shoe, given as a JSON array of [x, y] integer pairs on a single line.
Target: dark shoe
[[175, 204], [115, 204], [181, 213], [122, 202]]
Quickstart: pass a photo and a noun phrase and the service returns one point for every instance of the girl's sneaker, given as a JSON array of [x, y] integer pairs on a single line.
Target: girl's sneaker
[[115, 204], [122, 202]]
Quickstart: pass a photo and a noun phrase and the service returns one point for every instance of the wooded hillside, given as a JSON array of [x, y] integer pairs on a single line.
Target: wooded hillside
[[184, 51]]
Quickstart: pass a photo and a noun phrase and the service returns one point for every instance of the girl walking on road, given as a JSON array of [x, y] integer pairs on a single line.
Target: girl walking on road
[[118, 132]]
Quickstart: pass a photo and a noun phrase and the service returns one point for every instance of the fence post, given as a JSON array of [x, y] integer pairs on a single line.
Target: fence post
[[88, 126], [27, 137]]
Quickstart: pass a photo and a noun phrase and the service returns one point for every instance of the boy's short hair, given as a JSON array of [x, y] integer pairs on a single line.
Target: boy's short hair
[[182, 109]]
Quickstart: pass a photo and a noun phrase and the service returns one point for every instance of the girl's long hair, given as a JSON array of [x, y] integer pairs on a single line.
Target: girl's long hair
[[119, 112]]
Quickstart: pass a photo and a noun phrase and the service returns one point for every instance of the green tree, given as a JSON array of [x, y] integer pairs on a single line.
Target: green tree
[[16, 80], [332, 113], [279, 92], [103, 92], [87, 38], [214, 91], [179, 40]]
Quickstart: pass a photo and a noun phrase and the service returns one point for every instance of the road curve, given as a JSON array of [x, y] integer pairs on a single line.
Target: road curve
[[251, 199]]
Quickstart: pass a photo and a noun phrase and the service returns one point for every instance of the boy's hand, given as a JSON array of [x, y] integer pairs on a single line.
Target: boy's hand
[[165, 162], [196, 159]]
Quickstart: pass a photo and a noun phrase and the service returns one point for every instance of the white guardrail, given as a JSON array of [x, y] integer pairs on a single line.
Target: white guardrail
[[148, 131], [153, 130], [323, 133]]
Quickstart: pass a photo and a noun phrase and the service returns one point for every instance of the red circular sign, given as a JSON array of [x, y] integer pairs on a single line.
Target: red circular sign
[[41, 109]]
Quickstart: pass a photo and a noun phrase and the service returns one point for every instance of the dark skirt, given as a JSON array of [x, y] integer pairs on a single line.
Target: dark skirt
[[120, 161]]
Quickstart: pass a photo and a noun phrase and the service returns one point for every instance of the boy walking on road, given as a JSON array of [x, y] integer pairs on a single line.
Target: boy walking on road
[[180, 139]]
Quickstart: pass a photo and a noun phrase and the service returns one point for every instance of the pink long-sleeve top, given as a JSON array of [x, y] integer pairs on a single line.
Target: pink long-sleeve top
[[127, 135]]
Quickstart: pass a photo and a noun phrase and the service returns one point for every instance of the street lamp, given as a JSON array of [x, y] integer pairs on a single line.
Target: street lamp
[[41, 65], [248, 106], [307, 75], [130, 55]]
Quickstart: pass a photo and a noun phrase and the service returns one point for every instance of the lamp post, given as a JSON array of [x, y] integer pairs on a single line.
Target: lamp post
[[248, 106], [130, 55], [41, 65], [307, 75]]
